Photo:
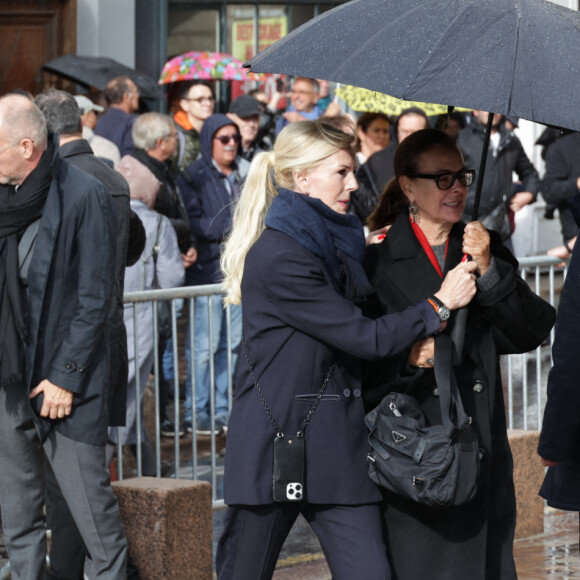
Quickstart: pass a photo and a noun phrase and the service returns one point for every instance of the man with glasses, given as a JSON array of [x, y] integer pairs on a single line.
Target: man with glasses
[[210, 186], [499, 197], [303, 103], [57, 278], [197, 103], [116, 123]]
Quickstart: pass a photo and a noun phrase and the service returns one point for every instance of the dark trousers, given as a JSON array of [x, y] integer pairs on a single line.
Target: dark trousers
[[351, 538]]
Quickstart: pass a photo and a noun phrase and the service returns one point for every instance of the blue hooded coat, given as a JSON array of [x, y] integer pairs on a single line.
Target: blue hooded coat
[[209, 201]]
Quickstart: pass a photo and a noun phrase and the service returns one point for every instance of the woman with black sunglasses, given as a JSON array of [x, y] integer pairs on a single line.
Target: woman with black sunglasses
[[473, 540]]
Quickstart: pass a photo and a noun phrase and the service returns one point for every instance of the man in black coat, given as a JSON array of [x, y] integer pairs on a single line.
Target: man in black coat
[[504, 156], [54, 351], [561, 182], [62, 114]]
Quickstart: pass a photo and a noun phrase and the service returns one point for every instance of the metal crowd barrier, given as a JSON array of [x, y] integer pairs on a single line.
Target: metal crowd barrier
[[524, 376]]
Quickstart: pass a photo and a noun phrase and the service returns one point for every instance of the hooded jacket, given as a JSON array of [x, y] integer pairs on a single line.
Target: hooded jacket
[[209, 197]]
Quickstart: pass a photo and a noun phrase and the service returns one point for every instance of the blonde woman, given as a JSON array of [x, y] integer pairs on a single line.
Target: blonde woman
[[294, 256]]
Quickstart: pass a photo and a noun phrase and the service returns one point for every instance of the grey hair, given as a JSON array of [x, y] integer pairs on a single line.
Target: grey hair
[[148, 128], [61, 112], [21, 119]]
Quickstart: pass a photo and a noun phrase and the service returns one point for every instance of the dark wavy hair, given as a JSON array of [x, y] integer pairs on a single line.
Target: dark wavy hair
[[406, 162]]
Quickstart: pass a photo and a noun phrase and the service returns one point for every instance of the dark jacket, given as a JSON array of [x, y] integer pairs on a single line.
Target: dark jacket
[[296, 324], [117, 126], [559, 182], [209, 202], [80, 154], [472, 541], [71, 283], [169, 201], [380, 166], [497, 182], [560, 436]]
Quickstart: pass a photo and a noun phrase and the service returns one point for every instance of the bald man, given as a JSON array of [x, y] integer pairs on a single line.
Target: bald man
[[57, 245]]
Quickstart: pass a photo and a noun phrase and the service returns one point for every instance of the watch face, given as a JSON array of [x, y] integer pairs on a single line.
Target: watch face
[[444, 313]]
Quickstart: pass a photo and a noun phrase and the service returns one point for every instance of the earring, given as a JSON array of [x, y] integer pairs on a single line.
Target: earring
[[414, 212]]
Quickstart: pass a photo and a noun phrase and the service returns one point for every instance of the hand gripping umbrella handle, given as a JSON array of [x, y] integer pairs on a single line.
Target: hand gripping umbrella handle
[[458, 332]]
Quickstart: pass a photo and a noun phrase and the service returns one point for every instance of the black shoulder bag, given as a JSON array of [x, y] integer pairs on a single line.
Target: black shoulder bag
[[433, 465], [288, 471]]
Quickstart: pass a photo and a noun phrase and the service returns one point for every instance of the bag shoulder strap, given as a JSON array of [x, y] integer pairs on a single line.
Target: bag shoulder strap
[[449, 396], [279, 432]]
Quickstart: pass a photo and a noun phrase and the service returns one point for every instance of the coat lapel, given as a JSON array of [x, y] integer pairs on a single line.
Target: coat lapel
[[410, 271], [40, 265]]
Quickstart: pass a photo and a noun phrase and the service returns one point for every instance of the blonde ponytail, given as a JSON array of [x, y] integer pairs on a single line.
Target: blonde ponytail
[[248, 223], [301, 146]]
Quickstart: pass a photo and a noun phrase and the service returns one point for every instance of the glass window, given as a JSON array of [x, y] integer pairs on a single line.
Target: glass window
[[299, 14], [191, 30]]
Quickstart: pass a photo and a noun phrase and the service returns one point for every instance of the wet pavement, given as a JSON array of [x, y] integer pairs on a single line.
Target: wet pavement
[[552, 555]]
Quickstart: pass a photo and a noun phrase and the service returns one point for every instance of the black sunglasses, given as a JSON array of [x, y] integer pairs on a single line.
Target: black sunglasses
[[446, 180], [225, 139]]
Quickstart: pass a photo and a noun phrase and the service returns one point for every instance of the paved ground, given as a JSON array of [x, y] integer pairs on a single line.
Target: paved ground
[[552, 555]]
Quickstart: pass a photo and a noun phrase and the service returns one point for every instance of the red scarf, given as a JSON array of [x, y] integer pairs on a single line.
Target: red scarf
[[427, 248]]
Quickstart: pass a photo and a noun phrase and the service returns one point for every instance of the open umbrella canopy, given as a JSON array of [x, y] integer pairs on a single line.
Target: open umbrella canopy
[[97, 71], [367, 101], [205, 66], [514, 57]]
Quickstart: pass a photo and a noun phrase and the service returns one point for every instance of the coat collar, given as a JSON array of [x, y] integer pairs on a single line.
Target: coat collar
[[410, 270], [76, 147]]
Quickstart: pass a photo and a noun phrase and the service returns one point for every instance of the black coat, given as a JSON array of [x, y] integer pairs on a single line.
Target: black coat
[[380, 166], [295, 325], [473, 541], [169, 201], [560, 436], [80, 154], [70, 283], [497, 182], [559, 182]]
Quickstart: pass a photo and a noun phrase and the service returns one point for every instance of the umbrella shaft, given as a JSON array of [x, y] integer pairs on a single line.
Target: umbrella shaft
[[479, 185]]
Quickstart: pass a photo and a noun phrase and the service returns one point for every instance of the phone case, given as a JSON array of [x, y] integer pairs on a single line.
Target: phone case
[[288, 483]]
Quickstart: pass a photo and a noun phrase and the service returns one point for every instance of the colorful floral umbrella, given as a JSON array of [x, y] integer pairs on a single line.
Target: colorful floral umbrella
[[205, 66], [373, 102]]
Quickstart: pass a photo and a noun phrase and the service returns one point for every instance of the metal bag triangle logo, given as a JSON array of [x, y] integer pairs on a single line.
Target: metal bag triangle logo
[[398, 437]]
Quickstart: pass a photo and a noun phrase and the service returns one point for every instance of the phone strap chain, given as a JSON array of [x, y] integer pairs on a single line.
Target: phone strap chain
[[279, 433]]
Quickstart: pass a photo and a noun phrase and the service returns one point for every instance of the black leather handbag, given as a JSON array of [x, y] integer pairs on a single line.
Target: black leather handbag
[[434, 465]]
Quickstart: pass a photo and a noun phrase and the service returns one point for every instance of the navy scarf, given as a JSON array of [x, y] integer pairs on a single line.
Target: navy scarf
[[335, 238]]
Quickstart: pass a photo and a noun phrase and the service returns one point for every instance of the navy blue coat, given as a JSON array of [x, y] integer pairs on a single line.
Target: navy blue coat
[[70, 282], [117, 126], [296, 324], [560, 436], [209, 205]]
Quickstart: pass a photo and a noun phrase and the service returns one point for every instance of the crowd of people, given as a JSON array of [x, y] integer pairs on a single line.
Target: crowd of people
[[342, 240]]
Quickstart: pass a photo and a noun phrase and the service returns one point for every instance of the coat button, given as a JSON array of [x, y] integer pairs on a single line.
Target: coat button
[[346, 393], [68, 366], [478, 387], [81, 369], [356, 392], [435, 391]]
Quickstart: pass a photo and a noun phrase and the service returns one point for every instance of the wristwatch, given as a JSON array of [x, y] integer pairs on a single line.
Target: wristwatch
[[442, 310]]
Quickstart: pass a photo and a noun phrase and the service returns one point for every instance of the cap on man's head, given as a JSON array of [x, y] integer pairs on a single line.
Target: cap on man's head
[[245, 106], [85, 105]]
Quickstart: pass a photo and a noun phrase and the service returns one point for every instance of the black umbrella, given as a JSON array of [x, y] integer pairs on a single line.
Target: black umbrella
[[513, 57], [97, 71]]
